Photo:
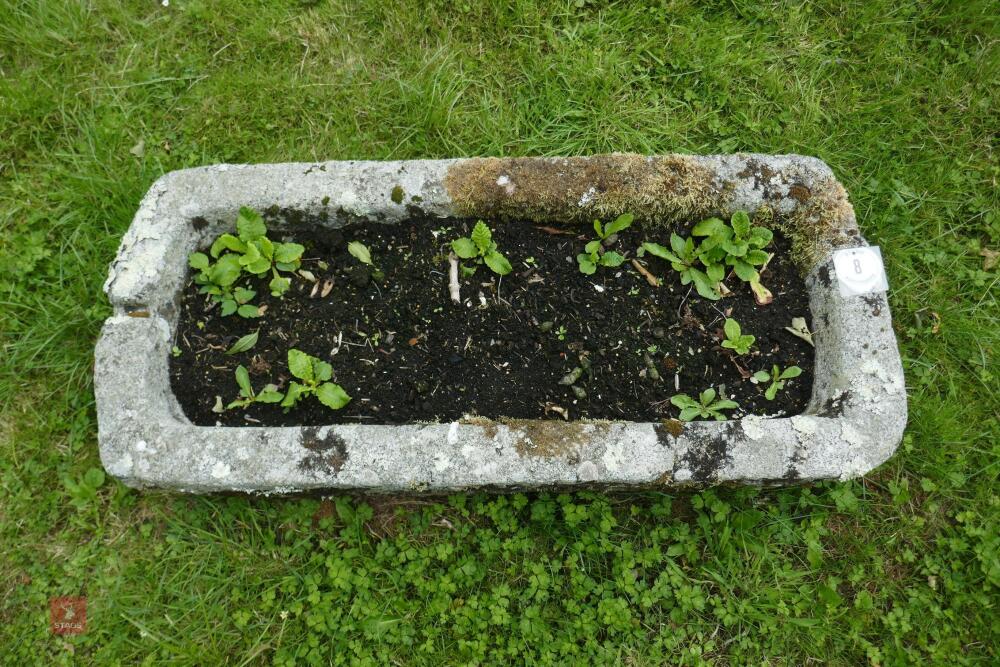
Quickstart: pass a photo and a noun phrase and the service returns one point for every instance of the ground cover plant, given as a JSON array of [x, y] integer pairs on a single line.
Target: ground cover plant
[[97, 99]]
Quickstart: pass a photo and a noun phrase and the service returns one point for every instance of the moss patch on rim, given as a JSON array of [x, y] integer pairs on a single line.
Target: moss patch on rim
[[659, 190]]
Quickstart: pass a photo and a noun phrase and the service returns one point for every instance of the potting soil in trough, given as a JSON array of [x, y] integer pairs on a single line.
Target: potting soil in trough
[[406, 353]]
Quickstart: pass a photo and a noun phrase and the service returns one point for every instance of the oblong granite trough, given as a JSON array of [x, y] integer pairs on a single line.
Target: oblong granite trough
[[854, 421]]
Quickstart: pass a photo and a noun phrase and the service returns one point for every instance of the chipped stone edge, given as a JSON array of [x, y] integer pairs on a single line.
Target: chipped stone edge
[[854, 421]]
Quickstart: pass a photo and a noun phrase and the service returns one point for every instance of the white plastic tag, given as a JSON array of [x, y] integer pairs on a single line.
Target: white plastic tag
[[860, 271]]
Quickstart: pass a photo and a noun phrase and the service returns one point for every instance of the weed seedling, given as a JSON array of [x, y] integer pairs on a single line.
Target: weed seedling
[[561, 332], [269, 394], [314, 374], [706, 406], [777, 378], [735, 339], [479, 246], [594, 254]]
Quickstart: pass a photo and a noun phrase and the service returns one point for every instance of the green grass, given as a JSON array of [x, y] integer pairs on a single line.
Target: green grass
[[900, 98]]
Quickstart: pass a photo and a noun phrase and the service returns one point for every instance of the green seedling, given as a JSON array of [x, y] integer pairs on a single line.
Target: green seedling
[[777, 378], [594, 254], [251, 252], [736, 340], [269, 394], [706, 406], [361, 253], [561, 333], [217, 280], [479, 246], [314, 374], [685, 259], [739, 245], [244, 343]]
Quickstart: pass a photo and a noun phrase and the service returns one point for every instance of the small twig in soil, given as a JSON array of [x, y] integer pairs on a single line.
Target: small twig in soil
[[683, 301], [650, 278], [552, 407], [744, 373], [553, 230], [453, 286]]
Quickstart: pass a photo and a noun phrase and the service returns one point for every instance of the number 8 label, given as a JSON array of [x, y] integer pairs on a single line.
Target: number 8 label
[[860, 270]]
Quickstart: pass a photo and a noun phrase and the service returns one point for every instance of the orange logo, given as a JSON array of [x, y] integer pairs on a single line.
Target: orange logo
[[68, 615]]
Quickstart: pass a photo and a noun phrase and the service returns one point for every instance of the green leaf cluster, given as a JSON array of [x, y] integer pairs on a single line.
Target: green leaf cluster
[[777, 378], [314, 375], [249, 252], [705, 406], [739, 245], [594, 254], [736, 340], [685, 258], [481, 247]]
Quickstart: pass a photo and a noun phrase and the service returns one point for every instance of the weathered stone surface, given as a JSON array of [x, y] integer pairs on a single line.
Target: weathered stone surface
[[854, 421]]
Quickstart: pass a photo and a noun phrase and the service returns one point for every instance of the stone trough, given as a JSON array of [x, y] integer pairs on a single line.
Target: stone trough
[[854, 421]]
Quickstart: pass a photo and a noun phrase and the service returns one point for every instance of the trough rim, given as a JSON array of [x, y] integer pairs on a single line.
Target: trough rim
[[854, 420]]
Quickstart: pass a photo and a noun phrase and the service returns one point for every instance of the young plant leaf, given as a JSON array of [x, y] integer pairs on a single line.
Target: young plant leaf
[[732, 328], [464, 248], [790, 372], [227, 242], [198, 260], [622, 222], [248, 311], [482, 237], [226, 271], [269, 394], [250, 225], [708, 227], [289, 253], [294, 393], [360, 252], [612, 259], [332, 395], [279, 285], [243, 380], [497, 263], [657, 250], [322, 371], [741, 224], [300, 364], [244, 343]]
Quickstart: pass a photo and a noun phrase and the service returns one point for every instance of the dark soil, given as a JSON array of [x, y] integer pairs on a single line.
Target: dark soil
[[406, 353]]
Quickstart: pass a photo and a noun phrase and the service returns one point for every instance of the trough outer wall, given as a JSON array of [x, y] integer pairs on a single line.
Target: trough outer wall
[[854, 421]]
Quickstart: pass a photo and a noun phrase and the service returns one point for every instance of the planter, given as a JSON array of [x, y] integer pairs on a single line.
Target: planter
[[853, 419]]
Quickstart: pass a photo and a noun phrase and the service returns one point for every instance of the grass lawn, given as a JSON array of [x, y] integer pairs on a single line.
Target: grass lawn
[[98, 98]]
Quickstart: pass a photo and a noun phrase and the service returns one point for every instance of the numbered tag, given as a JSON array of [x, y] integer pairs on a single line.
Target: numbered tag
[[860, 271]]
